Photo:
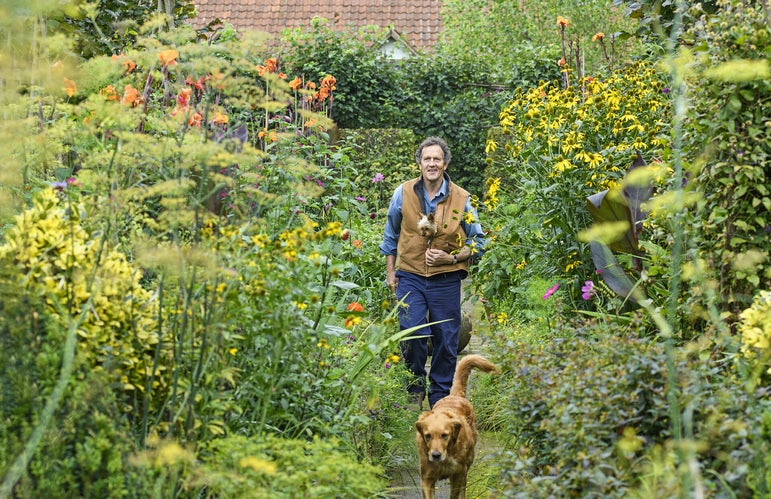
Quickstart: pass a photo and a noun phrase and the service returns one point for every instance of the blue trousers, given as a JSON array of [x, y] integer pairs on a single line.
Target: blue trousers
[[431, 299]]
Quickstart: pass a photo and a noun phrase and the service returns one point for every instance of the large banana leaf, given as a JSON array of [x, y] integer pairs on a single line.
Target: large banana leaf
[[620, 205]]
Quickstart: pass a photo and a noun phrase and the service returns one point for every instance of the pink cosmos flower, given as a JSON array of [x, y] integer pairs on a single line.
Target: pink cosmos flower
[[587, 290], [551, 291], [377, 178]]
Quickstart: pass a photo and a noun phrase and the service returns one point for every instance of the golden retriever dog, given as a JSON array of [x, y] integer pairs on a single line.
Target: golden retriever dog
[[447, 434]]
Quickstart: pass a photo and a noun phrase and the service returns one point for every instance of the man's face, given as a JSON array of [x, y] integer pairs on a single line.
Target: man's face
[[432, 163]]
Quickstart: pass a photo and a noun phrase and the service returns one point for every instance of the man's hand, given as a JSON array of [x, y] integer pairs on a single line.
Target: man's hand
[[391, 281], [436, 257]]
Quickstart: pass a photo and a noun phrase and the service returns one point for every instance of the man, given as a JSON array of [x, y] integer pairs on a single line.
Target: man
[[426, 269]]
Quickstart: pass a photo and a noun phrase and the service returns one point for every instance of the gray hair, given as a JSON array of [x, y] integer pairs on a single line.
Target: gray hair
[[434, 141]]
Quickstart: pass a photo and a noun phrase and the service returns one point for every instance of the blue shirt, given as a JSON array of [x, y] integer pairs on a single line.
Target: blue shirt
[[475, 238]]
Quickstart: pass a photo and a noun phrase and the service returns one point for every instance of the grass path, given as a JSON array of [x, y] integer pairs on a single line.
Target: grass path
[[405, 479]]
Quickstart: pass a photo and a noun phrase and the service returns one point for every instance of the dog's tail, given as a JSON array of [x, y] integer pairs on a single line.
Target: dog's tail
[[463, 370]]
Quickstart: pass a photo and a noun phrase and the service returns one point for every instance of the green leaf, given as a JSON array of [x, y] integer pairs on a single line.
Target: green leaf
[[612, 273], [625, 205], [344, 284]]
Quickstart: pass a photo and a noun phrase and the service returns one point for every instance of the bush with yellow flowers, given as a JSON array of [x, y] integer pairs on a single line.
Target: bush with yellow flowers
[[81, 277], [555, 147], [755, 330]]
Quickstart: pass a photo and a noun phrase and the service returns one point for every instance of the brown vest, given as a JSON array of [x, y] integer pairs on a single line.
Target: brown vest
[[450, 236]]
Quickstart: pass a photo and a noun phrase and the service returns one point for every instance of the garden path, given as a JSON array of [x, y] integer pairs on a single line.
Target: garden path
[[405, 481]]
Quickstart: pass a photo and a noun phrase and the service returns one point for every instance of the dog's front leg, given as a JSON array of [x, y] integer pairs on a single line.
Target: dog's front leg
[[428, 487], [458, 486]]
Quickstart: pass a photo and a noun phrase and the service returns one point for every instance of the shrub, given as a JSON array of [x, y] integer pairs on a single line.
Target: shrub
[[519, 39], [270, 467], [755, 330], [82, 447], [429, 95], [58, 256], [591, 416], [728, 142]]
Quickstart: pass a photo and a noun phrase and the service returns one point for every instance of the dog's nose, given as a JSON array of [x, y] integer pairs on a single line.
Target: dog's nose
[[436, 455]]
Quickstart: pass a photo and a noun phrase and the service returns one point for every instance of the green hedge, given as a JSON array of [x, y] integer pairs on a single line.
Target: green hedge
[[591, 416]]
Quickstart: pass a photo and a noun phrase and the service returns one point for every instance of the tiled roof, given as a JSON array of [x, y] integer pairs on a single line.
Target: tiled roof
[[418, 22]]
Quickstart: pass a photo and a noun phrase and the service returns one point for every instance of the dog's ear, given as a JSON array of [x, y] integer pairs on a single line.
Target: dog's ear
[[456, 426], [420, 438]]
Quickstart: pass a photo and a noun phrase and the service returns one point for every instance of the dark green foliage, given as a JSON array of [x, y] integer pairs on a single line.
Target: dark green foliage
[[657, 20], [113, 25], [585, 409], [730, 114], [429, 95], [390, 152], [456, 102], [365, 80]]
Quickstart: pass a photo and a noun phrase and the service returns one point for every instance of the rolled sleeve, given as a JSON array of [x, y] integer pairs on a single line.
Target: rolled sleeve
[[393, 225]]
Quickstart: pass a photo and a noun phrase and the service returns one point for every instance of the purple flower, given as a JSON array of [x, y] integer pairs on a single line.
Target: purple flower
[[551, 291], [377, 178], [59, 186], [372, 216], [360, 199], [666, 90], [587, 290]]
